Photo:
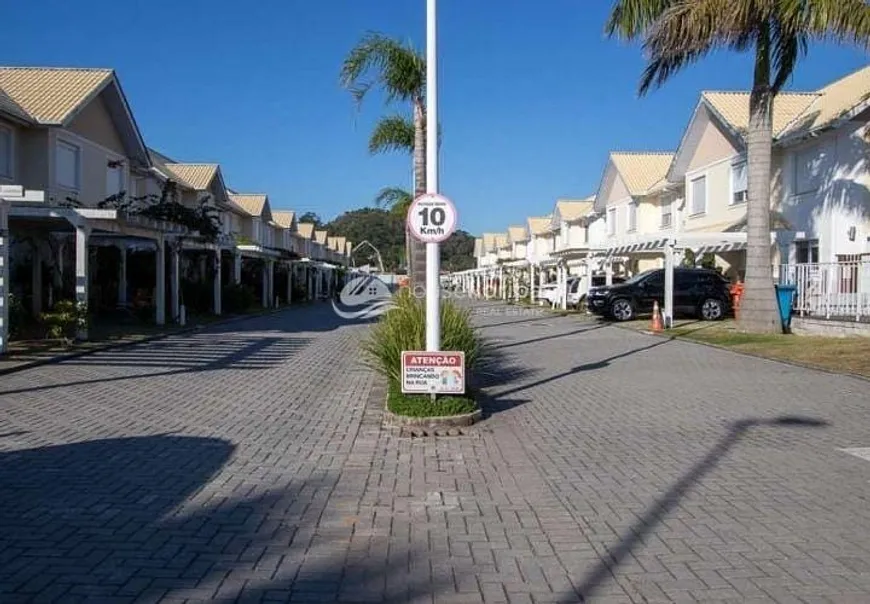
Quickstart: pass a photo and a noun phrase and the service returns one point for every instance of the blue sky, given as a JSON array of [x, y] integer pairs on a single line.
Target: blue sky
[[532, 94]]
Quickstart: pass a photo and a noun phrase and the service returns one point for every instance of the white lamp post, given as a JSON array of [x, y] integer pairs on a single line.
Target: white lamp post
[[433, 259]]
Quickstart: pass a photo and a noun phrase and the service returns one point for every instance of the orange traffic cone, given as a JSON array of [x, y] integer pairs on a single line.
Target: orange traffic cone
[[656, 317]]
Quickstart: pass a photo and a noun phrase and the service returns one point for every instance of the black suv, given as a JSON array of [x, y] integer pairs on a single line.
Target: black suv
[[697, 291]]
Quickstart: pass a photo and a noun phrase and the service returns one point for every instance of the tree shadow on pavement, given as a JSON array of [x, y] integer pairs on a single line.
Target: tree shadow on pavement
[[585, 329], [579, 369], [129, 518], [180, 354], [604, 570]]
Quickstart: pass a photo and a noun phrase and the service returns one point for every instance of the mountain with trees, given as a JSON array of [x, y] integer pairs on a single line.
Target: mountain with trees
[[385, 230]]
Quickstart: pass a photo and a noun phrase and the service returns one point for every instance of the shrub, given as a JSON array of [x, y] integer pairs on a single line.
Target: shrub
[[65, 319], [403, 327], [420, 405], [236, 298]]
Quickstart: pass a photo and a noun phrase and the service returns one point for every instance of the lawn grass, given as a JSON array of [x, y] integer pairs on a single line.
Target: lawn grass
[[420, 405], [844, 354]]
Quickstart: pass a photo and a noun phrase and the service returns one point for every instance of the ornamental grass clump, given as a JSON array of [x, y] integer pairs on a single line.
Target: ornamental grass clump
[[403, 327]]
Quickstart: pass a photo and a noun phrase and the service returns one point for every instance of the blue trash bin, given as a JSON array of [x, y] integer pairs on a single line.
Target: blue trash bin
[[785, 297]]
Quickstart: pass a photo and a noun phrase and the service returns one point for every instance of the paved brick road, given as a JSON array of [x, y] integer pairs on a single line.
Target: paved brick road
[[246, 463]]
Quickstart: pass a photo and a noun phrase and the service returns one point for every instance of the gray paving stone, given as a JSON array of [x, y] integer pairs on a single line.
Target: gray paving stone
[[247, 463]]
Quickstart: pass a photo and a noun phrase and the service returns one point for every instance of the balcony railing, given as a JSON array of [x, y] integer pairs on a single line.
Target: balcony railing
[[830, 290]]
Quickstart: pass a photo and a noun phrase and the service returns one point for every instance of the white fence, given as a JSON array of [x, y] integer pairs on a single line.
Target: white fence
[[834, 290]]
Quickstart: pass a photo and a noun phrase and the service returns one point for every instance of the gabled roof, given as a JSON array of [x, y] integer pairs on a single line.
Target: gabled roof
[[321, 237], [733, 108], [284, 218], [641, 171], [53, 96], [796, 113], [489, 242], [195, 176], [518, 234], [253, 204], [501, 240], [306, 229], [337, 243], [539, 225], [570, 210]]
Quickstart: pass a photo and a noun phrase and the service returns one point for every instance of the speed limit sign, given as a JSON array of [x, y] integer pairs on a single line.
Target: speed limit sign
[[432, 218]]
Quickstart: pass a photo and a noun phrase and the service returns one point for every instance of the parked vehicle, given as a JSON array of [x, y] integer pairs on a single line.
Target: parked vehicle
[[577, 291], [697, 292], [550, 292]]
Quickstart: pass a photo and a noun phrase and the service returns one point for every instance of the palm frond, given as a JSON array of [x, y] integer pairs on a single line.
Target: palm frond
[[688, 31], [630, 19], [841, 21], [392, 133], [396, 199], [380, 61]]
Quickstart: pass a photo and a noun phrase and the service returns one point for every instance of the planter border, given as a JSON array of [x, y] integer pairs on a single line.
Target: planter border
[[444, 425]]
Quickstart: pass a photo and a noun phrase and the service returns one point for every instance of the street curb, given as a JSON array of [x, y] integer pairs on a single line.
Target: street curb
[[75, 354], [742, 353]]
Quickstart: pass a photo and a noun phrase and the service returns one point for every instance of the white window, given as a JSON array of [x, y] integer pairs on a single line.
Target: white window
[[5, 152], [699, 195], [67, 160], [632, 216], [611, 221], [666, 214], [739, 187], [114, 178], [809, 168]]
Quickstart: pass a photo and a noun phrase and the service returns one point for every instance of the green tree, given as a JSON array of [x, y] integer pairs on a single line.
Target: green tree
[[394, 199], [457, 253], [312, 218], [383, 229], [677, 33], [399, 71]]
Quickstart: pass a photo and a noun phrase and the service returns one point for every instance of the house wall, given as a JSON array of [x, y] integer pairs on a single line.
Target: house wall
[[93, 167], [842, 198], [519, 251], [94, 123], [576, 234], [30, 158], [597, 232]]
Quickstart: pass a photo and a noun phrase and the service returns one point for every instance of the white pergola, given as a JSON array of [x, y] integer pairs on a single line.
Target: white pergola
[[9, 194]]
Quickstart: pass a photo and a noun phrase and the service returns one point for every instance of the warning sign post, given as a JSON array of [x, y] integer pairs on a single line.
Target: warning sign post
[[433, 372]]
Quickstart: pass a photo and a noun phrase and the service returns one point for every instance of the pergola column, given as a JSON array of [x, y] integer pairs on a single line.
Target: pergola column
[[290, 271], [36, 279], [217, 305], [160, 282], [531, 283], [237, 268], [264, 286], [82, 277], [668, 311], [175, 281], [4, 276], [122, 275]]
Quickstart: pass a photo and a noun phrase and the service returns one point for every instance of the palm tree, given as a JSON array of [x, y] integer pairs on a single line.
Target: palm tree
[[677, 33], [396, 199], [399, 71]]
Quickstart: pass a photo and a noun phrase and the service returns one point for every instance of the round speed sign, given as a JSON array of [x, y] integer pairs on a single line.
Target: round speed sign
[[432, 218]]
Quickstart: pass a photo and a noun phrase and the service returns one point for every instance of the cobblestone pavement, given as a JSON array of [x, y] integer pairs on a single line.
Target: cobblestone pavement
[[247, 463]]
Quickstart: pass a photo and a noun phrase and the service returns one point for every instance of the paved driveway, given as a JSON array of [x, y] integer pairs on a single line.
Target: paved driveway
[[246, 463]]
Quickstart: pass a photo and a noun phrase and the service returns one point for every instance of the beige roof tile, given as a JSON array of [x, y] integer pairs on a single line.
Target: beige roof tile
[[489, 242], [283, 218], [574, 209], [306, 229], [501, 240], [640, 171], [834, 101], [50, 95], [252, 203], [518, 234], [338, 244], [321, 237], [196, 176], [733, 107], [539, 225]]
